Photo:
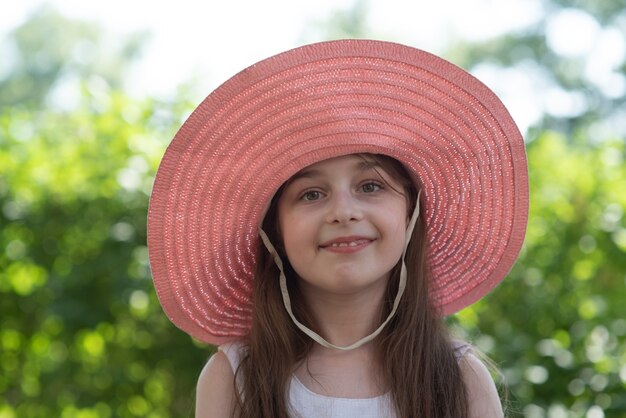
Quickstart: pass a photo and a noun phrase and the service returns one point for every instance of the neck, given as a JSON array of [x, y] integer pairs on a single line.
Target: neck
[[345, 318]]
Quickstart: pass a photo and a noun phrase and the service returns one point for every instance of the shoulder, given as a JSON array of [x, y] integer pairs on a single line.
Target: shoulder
[[215, 394], [482, 394]]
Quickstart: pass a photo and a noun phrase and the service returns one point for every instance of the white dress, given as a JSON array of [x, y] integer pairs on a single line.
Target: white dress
[[304, 403]]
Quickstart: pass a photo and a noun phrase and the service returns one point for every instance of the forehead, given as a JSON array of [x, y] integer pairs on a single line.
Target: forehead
[[352, 161]]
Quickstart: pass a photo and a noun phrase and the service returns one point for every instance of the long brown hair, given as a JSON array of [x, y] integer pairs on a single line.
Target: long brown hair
[[415, 350]]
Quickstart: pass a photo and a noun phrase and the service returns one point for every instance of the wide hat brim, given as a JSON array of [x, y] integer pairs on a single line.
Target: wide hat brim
[[317, 102]]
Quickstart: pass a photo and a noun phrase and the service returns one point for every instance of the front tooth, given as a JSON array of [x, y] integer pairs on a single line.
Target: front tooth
[[345, 244]]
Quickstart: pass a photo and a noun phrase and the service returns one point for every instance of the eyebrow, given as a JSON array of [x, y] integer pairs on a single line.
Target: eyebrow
[[363, 165]]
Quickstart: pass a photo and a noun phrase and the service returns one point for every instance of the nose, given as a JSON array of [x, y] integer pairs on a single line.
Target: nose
[[344, 208]]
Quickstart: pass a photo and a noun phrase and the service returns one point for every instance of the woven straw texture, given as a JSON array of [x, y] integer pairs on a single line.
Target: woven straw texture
[[321, 101]]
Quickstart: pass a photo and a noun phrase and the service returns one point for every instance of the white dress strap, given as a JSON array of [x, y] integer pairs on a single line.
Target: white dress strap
[[233, 353], [460, 349]]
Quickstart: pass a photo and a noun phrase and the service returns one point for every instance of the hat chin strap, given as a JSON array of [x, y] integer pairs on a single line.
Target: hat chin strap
[[315, 336]]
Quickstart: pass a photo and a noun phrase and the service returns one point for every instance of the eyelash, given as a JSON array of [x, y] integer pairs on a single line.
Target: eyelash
[[378, 186], [308, 192]]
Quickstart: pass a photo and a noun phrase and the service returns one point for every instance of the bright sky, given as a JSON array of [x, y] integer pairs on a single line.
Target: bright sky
[[217, 38], [214, 39]]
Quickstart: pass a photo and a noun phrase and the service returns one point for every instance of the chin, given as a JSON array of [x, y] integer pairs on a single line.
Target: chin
[[343, 283]]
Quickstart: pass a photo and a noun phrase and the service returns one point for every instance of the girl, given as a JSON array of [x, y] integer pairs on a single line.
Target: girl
[[320, 213]]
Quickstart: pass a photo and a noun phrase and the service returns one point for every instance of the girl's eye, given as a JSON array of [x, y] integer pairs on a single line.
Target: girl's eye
[[311, 195], [370, 187]]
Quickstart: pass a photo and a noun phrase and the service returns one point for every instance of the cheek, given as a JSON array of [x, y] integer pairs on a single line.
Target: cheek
[[298, 246], [283, 223], [294, 233], [398, 231], [399, 236]]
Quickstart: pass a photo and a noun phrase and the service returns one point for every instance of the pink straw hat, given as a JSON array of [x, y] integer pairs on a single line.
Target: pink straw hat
[[316, 102]]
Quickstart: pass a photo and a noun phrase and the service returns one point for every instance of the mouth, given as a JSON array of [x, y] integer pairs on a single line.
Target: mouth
[[346, 244]]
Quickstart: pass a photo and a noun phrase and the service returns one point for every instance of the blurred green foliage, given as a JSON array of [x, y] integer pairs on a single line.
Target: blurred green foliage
[[81, 326], [557, 325], [82, 333], [80, 322]]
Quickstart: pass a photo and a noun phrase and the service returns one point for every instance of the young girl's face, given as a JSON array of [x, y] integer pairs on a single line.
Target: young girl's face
[[343, 223]]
